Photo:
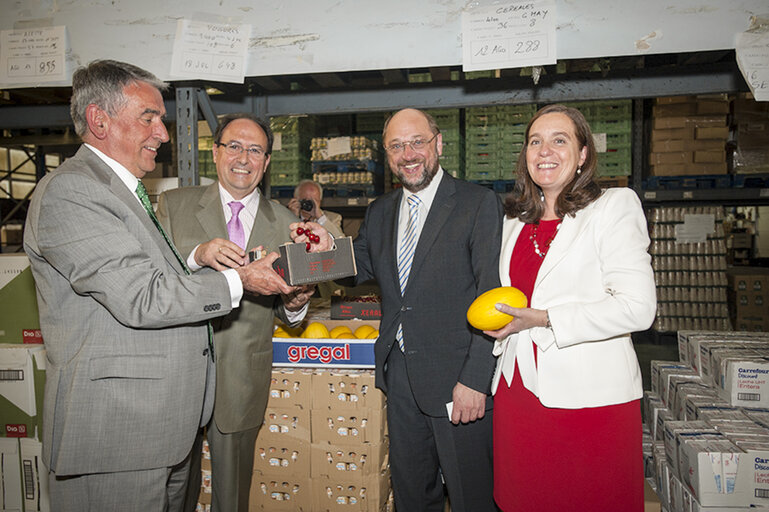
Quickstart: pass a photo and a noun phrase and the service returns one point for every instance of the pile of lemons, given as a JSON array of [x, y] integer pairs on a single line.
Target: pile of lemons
[[317, 330]]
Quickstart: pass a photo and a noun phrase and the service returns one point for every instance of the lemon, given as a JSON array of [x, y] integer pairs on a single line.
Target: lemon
[[484, 316], [336, 331], [363, 331], [315, 330]]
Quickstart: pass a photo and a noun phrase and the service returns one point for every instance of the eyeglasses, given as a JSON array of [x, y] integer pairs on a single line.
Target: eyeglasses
[[235, 149], [416, 145]]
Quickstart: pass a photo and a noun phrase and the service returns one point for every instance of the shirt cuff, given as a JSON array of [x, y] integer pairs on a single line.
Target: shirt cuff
[[544, 337], [296, 316], [191, 263], [235, 284]]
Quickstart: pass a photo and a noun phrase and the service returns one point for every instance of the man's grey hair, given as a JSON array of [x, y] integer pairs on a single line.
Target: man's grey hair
[[101, 82]]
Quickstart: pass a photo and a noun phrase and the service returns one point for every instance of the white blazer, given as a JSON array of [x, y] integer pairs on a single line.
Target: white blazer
[[597, 283]]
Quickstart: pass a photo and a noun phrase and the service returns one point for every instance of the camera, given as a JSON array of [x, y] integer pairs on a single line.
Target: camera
[[306, 205]]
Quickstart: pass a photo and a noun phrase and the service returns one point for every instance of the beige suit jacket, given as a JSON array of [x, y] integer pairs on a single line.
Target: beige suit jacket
[[243, 338]]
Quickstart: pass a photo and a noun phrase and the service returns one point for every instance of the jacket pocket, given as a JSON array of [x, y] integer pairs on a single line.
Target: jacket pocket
[[127, 367]]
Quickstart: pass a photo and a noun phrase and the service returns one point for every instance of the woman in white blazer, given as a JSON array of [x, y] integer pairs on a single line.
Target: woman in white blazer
[[567, 420]]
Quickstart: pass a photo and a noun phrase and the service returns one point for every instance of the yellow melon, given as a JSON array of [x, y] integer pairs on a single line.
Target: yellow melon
[[484, 316], [346, 335], [363, 331], [373, 335], [280, 333], [315, 330], [339, 329]]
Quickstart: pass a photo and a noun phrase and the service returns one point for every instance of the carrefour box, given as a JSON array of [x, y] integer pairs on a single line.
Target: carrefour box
[[36, 498], [291, 387], [22, 382], [366, 494], [297, 266], [744, 379], [286, 422], [348, 427], [278, 493], [288, 457], [346, 389], [346, 461], [10, 476], [19, 321]]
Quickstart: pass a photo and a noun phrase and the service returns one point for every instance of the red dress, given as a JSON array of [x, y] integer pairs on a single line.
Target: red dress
[[554, 460]]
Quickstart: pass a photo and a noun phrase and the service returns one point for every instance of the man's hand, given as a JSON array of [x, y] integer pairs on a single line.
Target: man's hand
[[260, 278], [220, 254], [298, 298], [469, 404], [326, 242]]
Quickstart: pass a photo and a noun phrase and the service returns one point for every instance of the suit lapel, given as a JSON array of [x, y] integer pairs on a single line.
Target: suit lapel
[[440, 211], [120, 190], [265, 231], [211, 216]]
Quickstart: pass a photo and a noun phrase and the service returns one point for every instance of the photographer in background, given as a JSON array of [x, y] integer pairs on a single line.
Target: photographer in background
[[306, 205]]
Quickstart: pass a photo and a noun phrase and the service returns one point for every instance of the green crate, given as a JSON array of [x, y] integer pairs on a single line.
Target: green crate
[[615, 163], [481, 172], [604, 110]]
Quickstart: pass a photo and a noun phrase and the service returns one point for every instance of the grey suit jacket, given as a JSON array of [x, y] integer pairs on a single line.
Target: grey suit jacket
[[124, 328], [243, 338], [456, 259]]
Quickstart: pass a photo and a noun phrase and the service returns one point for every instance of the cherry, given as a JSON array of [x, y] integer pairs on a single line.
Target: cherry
[[300, 230], [307, 246]]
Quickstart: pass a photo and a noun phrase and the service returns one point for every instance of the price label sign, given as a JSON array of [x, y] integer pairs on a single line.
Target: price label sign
[[211, 51], [33, 56], [508, 36], [752, 51]]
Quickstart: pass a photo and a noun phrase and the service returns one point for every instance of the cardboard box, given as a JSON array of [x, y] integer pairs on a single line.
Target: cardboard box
[[22, 382], [287, 422], [10, 476], [36, 498], [343, 390], [368, 494], [752, 323], [349, 427], [291, 387], [652, 502], [744, 380], [290, 458], [670, 145], [676, 157], [346, 462], [364, 308], [688, 120], [19, 322], [277, 493], [297, 266], [691, 169], [711, 132]]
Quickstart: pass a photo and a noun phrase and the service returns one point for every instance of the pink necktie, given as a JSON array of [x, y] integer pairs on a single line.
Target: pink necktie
[[234, 227]]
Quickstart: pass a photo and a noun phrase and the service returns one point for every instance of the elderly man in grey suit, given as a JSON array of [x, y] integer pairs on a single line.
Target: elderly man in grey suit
[[212, 226], [125, 325], [432, 247]]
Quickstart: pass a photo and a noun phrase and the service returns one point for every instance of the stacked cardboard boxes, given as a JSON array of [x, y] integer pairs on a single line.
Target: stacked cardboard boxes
[[23, 478], [323, 445], [709, 423], [689, 135], [749, 298]]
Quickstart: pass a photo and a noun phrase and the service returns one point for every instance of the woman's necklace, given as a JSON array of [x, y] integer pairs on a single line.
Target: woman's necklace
[[533, 238]]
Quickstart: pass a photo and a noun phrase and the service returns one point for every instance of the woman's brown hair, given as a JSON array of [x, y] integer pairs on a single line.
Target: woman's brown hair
[[525, 201]]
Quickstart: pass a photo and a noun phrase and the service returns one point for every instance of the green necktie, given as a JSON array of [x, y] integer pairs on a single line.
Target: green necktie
[[145, 199]]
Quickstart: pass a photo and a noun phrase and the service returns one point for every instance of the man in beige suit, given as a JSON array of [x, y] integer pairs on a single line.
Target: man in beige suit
[[213, 233]]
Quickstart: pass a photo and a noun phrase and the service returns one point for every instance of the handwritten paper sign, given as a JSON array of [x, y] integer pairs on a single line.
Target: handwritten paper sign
[[33, 55], [752, 51], [211, 51], [511, 35], [695, 228]]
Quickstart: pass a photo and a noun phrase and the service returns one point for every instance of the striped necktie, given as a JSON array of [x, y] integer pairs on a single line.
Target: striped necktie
[[406, 253], [145, 199]]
